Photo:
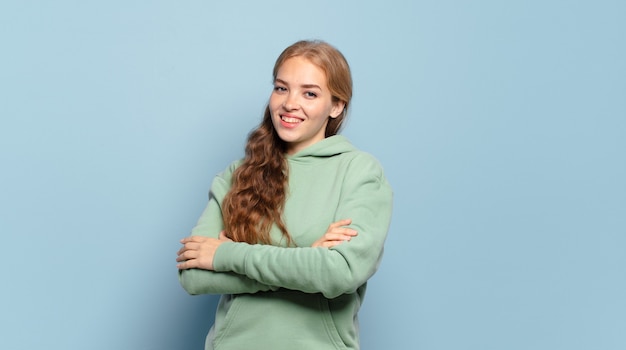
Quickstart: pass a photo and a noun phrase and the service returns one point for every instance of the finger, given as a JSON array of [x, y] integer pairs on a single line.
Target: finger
[[182, 250], [343, 222], [187, 255], [189, 264], [348, 231], [197, 239], [343, 231], [340, 223], [189, 246], [337, 237]]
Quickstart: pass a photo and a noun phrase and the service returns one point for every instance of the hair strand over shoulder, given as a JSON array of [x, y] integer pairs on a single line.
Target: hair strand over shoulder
[[257, 197]]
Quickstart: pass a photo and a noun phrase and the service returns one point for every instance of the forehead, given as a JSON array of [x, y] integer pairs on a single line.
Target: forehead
[[299, 70]]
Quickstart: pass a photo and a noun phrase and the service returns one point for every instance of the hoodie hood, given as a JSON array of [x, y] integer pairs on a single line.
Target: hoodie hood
[[328, 147]]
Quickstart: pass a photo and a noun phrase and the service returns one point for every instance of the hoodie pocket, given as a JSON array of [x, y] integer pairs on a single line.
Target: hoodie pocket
[[276, 320]]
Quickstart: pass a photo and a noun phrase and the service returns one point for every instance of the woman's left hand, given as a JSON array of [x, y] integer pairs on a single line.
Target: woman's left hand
[[198, 251], [336, 234]]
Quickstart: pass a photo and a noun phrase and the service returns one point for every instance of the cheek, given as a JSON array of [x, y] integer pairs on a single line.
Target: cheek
[[323, 111], [274, 102]]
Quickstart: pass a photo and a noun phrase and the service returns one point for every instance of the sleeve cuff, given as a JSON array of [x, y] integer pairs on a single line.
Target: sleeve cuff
[[229, 257]]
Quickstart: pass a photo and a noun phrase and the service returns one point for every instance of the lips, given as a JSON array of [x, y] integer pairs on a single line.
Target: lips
[[289, 121]]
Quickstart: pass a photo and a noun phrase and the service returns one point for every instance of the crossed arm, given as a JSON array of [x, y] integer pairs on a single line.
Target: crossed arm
[[198, 252], [209, 263]]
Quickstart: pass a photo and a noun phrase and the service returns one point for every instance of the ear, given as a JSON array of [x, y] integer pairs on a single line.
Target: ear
[[337, 109]]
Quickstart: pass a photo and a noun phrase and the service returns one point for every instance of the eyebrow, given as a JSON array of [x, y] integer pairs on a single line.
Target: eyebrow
[[306, 86]]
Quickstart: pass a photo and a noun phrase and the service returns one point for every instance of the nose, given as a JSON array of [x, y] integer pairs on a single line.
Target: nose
[[291, 102]]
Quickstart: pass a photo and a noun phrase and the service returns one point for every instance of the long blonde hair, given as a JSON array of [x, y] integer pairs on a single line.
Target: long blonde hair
[[257, 197]]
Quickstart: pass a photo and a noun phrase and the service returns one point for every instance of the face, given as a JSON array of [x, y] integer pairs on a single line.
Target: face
[[301, 104]]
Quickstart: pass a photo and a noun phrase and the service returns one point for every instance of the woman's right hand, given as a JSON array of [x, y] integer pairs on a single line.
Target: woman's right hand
[[336, 234]]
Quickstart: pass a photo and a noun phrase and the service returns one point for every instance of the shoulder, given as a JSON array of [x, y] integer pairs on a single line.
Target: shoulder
[[361, 163], [230, 169], [365, 178], [356, 162], [224, 178]]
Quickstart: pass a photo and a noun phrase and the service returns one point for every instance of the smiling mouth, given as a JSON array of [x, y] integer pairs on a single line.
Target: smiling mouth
[[291, 120]]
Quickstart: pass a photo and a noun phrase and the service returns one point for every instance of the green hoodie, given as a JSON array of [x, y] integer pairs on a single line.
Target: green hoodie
[[277, 297]]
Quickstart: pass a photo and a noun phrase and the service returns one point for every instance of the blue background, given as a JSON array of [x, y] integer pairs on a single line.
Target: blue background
[[501, 126]]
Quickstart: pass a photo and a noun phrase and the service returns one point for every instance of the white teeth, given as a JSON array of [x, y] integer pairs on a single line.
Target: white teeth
[[290, 120]]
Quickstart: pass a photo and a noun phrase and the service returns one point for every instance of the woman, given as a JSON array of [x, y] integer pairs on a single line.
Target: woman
[[292, 232]]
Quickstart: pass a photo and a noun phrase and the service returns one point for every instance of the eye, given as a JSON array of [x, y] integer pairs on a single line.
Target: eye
[[310, 94], [278, 88]]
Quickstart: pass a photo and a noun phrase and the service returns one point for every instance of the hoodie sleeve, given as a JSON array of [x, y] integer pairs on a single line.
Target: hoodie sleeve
[[210, 224], [366, 198]]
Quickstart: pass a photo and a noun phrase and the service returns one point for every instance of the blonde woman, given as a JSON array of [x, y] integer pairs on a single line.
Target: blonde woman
[[293, 231]]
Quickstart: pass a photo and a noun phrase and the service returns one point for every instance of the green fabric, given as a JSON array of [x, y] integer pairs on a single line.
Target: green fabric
[[278, 297]]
